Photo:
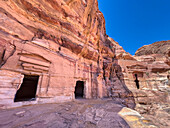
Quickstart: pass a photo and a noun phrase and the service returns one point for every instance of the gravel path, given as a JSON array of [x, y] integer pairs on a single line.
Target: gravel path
[[78, 114]]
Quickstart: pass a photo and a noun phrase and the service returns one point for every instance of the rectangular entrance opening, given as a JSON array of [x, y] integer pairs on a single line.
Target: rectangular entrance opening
[[137, 81], [79, 90], [27, 91]]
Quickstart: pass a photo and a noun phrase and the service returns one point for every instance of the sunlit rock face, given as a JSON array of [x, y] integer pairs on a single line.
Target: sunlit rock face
[[147, 75], [54, 46], [160, 47]]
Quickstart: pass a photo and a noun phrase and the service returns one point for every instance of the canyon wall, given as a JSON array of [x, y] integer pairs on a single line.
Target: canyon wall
[[147, 75], [48, 47]]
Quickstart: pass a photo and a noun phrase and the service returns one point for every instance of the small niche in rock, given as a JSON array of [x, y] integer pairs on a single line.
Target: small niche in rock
[[137, 81]]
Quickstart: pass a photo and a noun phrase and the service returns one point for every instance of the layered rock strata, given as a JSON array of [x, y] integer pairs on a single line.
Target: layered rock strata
[[147, 75], [160, 47], [56, 45]]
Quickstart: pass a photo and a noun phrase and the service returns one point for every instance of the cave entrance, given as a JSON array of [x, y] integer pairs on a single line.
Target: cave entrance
[[79, 90], [137, 81], [28, 89]]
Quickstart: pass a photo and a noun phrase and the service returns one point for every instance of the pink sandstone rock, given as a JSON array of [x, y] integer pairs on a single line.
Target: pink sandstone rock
[[54, 46], [151, 66], [55, 51]]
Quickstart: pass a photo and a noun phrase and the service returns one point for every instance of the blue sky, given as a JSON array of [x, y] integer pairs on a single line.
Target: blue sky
[[134, 23]]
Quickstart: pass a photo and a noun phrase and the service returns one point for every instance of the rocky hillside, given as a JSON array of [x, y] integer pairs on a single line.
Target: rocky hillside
[[160, 47]]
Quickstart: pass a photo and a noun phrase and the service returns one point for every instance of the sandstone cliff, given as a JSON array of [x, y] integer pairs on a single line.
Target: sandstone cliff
[[56, 45], [61, 48], [76, 25], [147, 76]]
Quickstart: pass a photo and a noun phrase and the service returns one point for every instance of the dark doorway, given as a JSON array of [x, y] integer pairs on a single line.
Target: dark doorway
[[137, 81], [28, 89], [79, 89]]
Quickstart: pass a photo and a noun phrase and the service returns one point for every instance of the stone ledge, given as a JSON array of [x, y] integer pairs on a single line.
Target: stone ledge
[[134, 119]]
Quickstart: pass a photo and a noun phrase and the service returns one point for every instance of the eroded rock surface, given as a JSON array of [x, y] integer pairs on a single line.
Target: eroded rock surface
[[58, 44], [54, 44], [160, 47], [78, 114], [147, 75], [136, 120]]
